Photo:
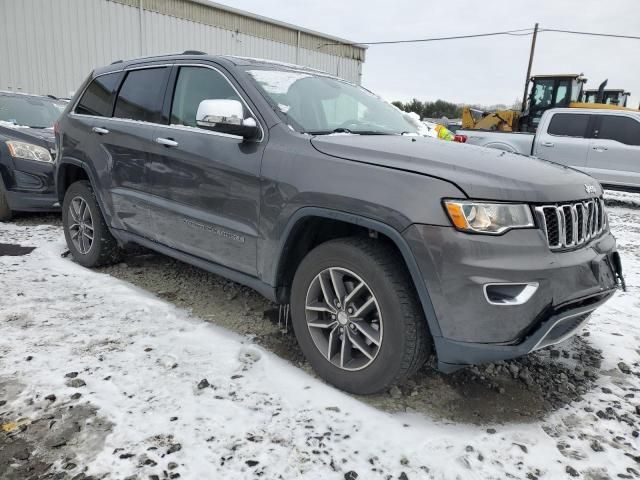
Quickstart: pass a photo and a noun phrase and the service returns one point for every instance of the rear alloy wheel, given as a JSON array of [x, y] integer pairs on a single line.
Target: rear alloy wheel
[[81, 229], [88, 237], [356, 315]]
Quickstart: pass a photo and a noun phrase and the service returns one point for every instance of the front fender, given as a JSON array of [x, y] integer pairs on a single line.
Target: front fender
[[394, 235]]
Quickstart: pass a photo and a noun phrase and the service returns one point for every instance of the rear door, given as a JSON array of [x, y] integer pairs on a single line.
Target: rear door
[[81, 140], [563, 139], [128, 141], [207, 184], [614, 152]]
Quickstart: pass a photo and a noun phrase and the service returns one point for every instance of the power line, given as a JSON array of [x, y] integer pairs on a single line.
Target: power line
[[593, 34], [527, 31], [520, 33]]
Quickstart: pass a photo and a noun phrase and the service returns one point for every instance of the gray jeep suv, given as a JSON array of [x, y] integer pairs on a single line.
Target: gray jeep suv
[[388, 246]]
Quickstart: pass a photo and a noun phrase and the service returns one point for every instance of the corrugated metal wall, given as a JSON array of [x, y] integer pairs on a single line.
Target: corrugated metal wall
[[49, 46]]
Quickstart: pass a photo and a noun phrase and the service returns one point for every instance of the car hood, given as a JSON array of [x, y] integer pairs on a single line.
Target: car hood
[[43, 137], [482, 173]]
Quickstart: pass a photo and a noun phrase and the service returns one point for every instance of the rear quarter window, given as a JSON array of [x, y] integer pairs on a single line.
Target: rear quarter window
[[569, 125], [97, 99], [621, 129]]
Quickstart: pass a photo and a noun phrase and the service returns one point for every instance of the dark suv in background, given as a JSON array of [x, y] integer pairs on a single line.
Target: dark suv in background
[[315, 192], [27, 152]]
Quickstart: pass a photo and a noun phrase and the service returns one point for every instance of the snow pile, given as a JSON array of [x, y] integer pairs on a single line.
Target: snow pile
[[414, 119], [145, 363]]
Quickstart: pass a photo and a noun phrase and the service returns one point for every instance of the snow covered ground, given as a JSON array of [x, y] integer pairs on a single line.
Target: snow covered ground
[[146, 411]]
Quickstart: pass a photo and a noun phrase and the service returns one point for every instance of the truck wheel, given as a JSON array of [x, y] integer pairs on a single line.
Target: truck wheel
[[5, 211], [356, 315], [85, 230]]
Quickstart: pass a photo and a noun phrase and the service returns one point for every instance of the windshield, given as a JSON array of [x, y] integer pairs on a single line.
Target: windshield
[[319, 105], [26, 111]]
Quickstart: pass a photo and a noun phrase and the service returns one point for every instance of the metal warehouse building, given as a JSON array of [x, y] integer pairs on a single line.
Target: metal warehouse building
[[49, 46]]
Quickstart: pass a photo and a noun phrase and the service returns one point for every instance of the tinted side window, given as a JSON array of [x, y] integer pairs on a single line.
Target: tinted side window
[[142, 94], [622, 129], [97, 99], [194, 85], [568, 125]]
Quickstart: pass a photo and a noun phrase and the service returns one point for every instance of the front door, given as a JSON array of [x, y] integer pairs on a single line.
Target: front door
[[614, 152], [207, 183], [564, 140]]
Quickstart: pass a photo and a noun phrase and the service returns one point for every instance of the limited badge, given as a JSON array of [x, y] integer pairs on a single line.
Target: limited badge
[[590, 189]]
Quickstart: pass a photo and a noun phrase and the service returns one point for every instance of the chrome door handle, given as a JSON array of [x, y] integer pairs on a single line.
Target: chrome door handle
[[599, 148], [547, 144], [167, 142], [100, 130]]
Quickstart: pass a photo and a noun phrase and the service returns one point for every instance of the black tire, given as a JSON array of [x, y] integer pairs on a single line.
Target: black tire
[[104, 249], [5, 211], [405, 343]]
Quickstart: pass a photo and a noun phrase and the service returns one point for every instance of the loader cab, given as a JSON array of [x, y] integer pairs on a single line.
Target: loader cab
[[609, 97], [550, 91]]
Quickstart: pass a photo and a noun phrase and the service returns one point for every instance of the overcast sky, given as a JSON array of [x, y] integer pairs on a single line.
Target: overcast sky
[[486, 71]]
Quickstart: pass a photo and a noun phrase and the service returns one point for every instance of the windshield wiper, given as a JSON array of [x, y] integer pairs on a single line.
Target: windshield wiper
[[372, 132], [328, 132], [346, 130]]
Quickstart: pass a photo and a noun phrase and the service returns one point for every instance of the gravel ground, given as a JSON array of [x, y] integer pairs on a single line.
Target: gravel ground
[[101, 379], [584, 405], [524, 389], [32, 444], [507, 391]]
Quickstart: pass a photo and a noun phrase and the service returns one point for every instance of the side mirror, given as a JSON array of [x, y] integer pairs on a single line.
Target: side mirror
[[226, 116]]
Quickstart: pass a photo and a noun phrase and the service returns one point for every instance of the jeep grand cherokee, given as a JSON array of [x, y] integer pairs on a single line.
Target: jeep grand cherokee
[[388, 246]]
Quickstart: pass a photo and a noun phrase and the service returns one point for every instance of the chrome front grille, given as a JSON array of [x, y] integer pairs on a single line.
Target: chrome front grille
[[572, 224]]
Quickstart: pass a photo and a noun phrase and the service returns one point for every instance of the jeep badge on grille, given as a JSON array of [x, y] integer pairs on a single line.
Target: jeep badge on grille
[[590, 189]]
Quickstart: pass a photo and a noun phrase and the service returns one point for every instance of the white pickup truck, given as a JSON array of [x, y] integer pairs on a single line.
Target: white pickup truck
[[602, 143]]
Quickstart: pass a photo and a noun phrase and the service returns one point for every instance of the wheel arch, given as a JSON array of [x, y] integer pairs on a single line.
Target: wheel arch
[[70, 170], [294, 231]]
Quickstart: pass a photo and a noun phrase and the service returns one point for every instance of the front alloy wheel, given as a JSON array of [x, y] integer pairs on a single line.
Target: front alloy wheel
[[344, 318], [356, 315]]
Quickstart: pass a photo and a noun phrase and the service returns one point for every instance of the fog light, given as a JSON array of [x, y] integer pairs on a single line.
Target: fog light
[[509, 293]]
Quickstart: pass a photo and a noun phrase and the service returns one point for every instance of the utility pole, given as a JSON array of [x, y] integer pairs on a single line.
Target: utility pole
[[526, 82]]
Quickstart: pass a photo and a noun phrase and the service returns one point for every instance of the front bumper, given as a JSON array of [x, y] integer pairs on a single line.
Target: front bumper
[[21, 201], [456, 266], [30, 186]]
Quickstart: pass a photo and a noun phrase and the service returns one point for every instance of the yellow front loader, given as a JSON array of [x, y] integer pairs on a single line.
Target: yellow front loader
[[547, 91], [501, 120]]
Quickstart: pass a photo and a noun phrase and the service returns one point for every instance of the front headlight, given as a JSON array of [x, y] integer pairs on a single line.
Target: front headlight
[[29, 152], [489, 218]]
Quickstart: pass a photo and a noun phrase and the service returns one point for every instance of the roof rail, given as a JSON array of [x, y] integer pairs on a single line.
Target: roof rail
[[117, 61], [193, 52]]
